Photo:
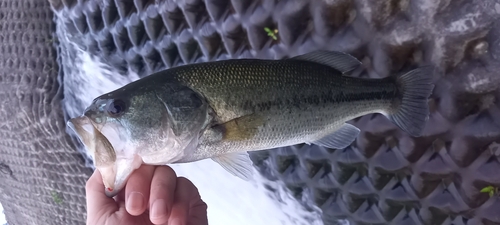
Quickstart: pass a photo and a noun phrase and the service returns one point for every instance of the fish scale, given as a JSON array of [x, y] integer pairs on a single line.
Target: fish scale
[[223, 109], [258, 82], [317, 98]]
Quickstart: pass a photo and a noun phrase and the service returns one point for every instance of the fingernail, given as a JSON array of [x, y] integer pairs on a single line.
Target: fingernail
[[135, 201], [158, 209]]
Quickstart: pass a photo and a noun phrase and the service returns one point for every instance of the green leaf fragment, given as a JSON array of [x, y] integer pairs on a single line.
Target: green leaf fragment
[[487, 189], [55, 196], [271, 33]]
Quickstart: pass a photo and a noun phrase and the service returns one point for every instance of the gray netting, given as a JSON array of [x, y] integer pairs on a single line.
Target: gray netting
[[42, 177], [385, 176]]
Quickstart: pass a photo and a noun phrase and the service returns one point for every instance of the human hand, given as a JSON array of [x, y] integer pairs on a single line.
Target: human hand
[[140, 202]]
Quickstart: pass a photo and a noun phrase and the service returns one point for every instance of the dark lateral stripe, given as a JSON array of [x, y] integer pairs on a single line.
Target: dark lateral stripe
[[299, 101]]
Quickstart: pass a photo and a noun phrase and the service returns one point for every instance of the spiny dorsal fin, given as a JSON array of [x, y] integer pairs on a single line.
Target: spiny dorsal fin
[[338, 60]]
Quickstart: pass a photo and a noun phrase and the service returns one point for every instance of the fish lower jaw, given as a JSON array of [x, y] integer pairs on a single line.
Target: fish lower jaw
[[108, 175], [115, 176]]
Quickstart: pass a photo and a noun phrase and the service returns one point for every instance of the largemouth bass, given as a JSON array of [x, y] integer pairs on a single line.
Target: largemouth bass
[[223, 109]]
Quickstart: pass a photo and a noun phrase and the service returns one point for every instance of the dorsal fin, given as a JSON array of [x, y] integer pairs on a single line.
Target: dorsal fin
[[338, 60]]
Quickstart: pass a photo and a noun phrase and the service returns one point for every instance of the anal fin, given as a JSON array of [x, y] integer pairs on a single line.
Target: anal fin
[[339, 139], [238, 164]]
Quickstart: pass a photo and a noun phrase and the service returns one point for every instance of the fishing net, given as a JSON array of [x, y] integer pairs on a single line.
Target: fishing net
[[42, 177]]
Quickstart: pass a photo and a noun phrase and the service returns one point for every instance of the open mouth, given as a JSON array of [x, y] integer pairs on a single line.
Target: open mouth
[[85, 131], [95, 141], [100, 148]]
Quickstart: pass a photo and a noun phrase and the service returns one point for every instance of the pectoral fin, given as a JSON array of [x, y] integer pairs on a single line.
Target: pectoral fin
[[238, 164], [242, 128], [339, 139]]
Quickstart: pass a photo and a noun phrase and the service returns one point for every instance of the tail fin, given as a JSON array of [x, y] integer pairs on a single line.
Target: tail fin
[[411, 111]]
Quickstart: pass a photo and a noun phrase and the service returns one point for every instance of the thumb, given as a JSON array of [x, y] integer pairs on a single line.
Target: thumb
[[98, 204]]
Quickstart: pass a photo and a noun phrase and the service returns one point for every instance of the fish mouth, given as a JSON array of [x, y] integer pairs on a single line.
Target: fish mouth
[[100, 148], [85, 131]]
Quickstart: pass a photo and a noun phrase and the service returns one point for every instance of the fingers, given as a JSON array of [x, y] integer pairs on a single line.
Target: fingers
[[185, 195], [137, 190], [198, 213], [169, 198], [162, 194], [98, 203]]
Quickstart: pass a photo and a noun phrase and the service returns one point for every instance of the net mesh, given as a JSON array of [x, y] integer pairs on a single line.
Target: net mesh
[[42, 177]]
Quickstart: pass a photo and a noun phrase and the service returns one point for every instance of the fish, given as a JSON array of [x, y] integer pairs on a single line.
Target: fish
[[221, 110]]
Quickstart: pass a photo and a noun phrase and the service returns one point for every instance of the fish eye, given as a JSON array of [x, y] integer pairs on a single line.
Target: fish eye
[[116, 107]]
